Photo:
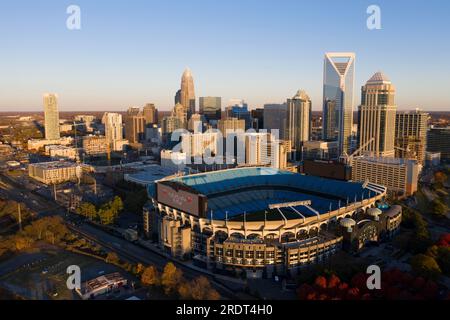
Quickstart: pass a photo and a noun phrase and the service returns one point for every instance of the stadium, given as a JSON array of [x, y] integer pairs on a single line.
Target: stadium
[[265, 221]]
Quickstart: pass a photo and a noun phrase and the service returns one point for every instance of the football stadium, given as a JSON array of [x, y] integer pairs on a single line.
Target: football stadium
[[265, 221]]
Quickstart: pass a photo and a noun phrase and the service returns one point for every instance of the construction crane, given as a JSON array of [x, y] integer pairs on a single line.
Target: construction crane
[[347, 159], [409, 154]]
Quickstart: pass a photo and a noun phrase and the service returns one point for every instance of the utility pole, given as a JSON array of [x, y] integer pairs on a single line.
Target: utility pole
[[20, 216], [54, 191]]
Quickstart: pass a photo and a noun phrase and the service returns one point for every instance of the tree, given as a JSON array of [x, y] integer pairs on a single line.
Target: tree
[[184, 291], [87, 210], [440, 178], [112, 258], [116, 205], [201, 289], [151, 277], [426, 266], [171, 278], [439, 208]]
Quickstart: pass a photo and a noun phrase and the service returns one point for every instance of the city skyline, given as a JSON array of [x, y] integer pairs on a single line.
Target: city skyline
[[90, 69]]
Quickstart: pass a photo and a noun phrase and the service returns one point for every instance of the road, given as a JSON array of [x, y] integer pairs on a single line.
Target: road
[[126, 250]]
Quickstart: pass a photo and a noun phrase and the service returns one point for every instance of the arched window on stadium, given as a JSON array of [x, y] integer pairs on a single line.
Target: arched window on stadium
[[207, 231], [254, 236], [236, 236], [196, 228], [288, 237], [271, 236], [324, 227], [220, 236], [302, 234], [314, 232]]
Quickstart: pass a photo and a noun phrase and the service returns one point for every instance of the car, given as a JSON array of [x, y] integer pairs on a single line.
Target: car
[[101, 272]]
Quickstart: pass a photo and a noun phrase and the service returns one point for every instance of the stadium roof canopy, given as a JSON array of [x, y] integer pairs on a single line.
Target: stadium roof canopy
[[235, 191]]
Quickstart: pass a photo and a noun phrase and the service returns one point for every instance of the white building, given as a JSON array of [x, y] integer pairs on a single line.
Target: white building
[[61, 152], [173, 160], [114, 131]]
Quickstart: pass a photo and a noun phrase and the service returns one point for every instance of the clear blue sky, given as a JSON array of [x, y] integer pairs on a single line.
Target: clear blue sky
[[132, 52]]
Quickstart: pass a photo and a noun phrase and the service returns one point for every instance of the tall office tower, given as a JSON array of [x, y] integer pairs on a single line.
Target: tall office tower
[[179, 112], [170, 124], [411, 135], [263, 149], [51, 116], [134, 126], [150, 114], [257, 118], [211, 107], [195, 123], [177, 97], [438, 140], [113, 130], [376, 117], [299, 120], [338, 90], [188, 92], [238, 108], [230, 125], [275, 116]]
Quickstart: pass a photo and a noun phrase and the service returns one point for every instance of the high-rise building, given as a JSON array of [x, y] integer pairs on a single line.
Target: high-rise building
[[170, 124], [376, 117], [51, 114], [211, 108], [338, 91], [439, 141], [150, 114], [399, 176], [257, 118], [200, 144], [187, 94], [195, 123], [134, 126], [298, 123], [238, 108], [179, 111], [275, 116], [263, 149], [411, 135], [113, 130], [231, 125]]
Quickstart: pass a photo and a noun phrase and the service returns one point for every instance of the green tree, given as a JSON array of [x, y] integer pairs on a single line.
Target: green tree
[[171, 278], [426, 266]]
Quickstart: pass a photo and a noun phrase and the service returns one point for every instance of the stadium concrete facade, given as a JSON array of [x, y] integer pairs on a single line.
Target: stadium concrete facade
[[264, 221]]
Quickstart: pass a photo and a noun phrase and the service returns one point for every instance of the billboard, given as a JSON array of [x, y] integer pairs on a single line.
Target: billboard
[[175, 197], [326, 169]]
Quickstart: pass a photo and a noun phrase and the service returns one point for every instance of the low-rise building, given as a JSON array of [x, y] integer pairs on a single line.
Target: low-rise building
[[55, 172], [61, 152], [95, 145], [36, 144], [101, 285]]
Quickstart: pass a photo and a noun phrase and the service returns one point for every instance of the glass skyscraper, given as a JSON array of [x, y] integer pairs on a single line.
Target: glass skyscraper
[[338, 93]]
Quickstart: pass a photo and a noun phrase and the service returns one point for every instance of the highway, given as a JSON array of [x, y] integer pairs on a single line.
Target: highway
[[126, 250]]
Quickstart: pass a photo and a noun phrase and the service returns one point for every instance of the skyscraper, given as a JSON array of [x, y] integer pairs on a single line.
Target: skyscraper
[[134, 126], [338, 91], [298, 123], [113, 130], [150, 114], [376, 116], [51, 114], [411, 134], [211, 107], [187, 94], [275, 116]]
